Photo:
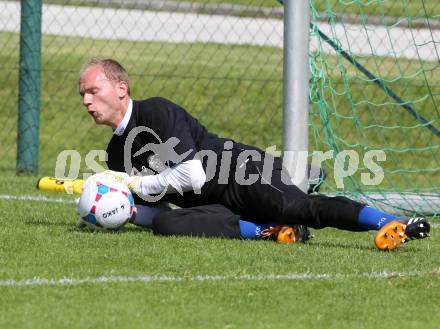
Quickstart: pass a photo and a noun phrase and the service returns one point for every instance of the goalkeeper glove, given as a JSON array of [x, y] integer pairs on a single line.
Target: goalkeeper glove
[[120, 177], [132, 182]]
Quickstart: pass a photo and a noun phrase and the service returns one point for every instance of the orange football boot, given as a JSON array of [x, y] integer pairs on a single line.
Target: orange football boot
[[286, 234], [396, 233]]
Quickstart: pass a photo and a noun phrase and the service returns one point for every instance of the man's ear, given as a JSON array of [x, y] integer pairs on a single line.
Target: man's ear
[[122, 89]]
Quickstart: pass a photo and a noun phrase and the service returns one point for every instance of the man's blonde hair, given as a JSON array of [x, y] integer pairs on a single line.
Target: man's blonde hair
[[112, 70]]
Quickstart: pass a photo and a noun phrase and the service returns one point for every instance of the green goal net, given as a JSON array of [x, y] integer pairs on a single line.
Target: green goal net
[[375, 86]]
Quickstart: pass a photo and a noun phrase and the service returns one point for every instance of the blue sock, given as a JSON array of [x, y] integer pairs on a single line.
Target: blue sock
[[373, 219], [249, 230]]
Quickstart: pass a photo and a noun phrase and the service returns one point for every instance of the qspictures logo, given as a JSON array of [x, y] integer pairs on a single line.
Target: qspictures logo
[[162, 156]]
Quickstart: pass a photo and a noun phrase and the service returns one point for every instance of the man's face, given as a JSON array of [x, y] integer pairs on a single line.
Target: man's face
[[100, 96]]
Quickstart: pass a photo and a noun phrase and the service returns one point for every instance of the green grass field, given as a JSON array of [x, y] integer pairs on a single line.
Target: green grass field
[[53, 276]]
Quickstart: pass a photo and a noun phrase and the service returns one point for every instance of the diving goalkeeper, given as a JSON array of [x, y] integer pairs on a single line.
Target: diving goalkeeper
[[206, 175]]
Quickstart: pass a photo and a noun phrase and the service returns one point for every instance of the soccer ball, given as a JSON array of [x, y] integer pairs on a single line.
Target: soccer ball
[[105, 203]]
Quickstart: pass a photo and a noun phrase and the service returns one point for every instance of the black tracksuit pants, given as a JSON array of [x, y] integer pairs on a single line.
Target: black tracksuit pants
[[260, 202]]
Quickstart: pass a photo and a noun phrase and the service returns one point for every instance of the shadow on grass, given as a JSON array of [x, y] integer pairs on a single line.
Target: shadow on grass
[[42, 222], [411, 247], [353, 245], [123, 230], [71, 227]]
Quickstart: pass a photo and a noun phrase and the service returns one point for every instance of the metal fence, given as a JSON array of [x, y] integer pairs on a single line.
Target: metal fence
[[220, 64]]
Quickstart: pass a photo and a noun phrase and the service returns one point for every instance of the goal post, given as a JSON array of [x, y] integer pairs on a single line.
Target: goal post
[[296, 89], [374, 86], [29, 87]]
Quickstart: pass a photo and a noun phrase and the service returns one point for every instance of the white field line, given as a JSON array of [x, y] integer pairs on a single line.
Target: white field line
[[34, 198], [139, 25], [211, 278]]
